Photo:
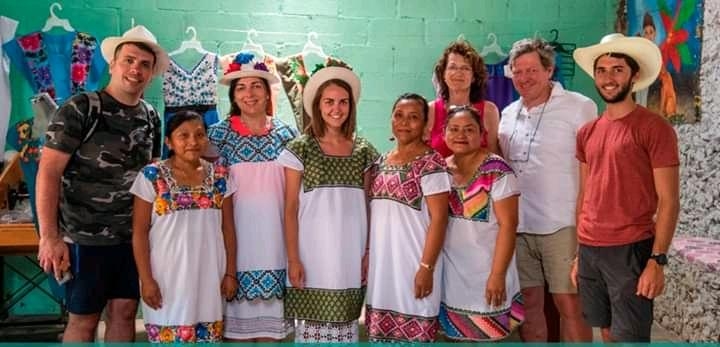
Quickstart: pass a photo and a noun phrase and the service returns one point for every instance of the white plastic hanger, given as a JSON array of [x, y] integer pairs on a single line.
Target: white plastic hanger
[[493, 47], [193, 43], [251, 46], [54, 21], [311, 47]]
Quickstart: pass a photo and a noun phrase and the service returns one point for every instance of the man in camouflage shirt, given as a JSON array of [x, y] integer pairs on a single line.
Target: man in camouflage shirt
[[95, 145]]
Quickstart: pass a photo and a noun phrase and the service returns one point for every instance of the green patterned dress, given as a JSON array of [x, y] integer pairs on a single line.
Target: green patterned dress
[[332, 219]]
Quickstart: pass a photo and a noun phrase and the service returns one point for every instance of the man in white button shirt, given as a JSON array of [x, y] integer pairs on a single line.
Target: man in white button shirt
[[537, 137]]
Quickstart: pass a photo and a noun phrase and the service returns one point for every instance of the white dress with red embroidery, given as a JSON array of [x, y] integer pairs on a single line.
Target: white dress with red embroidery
[[399, 221], [187, 253]]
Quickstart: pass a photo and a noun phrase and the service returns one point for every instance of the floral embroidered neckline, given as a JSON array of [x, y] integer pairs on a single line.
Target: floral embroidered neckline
[[172, 197]]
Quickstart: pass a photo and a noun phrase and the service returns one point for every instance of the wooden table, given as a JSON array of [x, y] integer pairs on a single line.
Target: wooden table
[[22, 240], [18, 239]]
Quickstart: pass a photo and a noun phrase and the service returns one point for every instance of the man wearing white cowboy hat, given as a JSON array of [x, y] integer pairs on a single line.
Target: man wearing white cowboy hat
[[95, 145], [628, 201]]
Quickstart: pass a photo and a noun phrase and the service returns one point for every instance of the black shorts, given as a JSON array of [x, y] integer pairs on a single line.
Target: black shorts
[[607, 283], [100, 273]]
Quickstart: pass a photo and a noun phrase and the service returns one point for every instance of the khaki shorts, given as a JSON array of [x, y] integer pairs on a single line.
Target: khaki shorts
[[547, 258]]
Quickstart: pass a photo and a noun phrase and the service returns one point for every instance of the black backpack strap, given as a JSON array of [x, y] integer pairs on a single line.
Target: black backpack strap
[[94, 112], [151, 114]]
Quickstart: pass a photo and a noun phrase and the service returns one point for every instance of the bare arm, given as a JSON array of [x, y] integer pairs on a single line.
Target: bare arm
[[293, 179], [438, 209], [367, 181], [229, 283], [229, 237], [492, 123], [52, 252], [583, 171], [141, 218], [667, 187], [652, 280], [430, 122], [506, 213]]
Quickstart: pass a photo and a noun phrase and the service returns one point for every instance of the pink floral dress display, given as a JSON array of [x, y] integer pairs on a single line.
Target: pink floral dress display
[[187, 253]]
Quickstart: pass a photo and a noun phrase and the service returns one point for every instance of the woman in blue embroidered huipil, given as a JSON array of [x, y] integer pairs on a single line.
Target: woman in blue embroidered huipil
[[184, 238], [249, 142]]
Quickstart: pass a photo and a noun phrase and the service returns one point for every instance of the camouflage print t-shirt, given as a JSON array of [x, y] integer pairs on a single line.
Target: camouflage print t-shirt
[[95, 202]]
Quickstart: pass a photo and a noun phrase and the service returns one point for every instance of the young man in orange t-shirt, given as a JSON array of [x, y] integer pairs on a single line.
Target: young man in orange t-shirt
[[629, 192]]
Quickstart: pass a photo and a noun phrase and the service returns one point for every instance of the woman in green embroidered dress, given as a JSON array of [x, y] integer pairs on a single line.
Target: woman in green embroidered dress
[[327, 173]]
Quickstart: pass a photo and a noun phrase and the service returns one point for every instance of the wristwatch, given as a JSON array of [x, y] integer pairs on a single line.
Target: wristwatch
[[660, 258]]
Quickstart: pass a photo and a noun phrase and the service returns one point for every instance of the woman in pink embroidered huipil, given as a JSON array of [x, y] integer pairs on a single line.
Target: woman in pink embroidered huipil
[[481, 292], [408, 217], [184, 238]]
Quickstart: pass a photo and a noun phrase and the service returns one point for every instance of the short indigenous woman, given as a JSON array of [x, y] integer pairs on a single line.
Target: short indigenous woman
[[481, 292], [183, 238], [249, 141], [327, 173], [409, 211]]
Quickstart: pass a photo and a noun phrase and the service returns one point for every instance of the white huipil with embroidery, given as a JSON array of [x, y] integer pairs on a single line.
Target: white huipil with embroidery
[[332, 232], [399, 221], [257, 310], [468, 254], [187, 251]]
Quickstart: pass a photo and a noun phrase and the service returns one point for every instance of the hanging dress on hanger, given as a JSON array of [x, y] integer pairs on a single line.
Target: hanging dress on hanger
[[60, 64], [194, 89], [500, 89], [7, 32]]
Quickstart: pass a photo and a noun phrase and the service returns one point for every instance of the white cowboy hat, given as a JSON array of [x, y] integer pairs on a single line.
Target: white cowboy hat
[[247, 64], [645, 52], [325, 74], [137, 33]]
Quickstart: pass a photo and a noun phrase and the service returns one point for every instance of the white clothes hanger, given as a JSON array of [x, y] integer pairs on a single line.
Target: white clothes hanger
[[193, 43], [251, 46], [493, 47], [54, 21], [311, 47]]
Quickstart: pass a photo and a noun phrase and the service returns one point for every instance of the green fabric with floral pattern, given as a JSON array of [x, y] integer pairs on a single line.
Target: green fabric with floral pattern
[[324, 305], [321, 170]]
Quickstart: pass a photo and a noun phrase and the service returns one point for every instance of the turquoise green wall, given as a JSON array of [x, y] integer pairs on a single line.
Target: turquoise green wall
[[392, 44]]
